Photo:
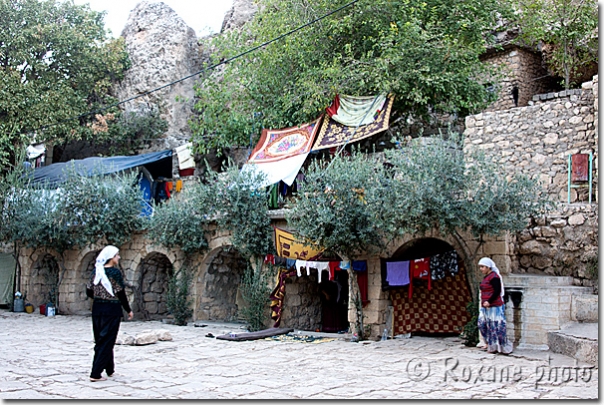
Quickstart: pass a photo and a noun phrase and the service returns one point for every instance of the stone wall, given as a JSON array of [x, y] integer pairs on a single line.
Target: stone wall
[[536, 140], [522, 75], [302, 303]]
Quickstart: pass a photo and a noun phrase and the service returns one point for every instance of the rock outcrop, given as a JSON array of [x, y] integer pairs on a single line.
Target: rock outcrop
[[162, 49]]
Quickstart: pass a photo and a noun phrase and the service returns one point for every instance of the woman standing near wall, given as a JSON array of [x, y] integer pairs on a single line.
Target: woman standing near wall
[[491, 319], [106, 287]]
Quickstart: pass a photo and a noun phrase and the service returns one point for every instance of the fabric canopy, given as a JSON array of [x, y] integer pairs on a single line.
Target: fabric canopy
[[57, 173], [334, 134]]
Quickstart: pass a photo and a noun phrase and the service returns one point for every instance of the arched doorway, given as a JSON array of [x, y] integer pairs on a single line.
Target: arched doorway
[[218, 286], [154, 273], [81, 305], [43, 283], [436, 304]]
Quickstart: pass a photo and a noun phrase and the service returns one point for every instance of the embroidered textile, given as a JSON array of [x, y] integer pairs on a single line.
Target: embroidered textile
[[440, 310], [334, 134], [278, 295], [353, 111], [287, 246], [278, 144]]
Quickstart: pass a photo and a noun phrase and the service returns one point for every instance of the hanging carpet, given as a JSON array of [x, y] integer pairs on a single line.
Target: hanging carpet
[[355, 111], [334, 134], [280, 153], [439, 310]]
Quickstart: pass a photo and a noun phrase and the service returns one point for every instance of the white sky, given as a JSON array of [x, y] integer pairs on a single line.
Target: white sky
[[204, 16]]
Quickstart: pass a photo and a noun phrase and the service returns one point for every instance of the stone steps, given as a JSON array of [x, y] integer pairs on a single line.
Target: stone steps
[[577, 340]]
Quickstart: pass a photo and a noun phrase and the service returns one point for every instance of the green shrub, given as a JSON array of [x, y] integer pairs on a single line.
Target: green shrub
[[470, 332], [177, 297]]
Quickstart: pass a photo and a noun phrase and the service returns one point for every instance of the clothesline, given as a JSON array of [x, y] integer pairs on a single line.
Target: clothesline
[[331, 266]]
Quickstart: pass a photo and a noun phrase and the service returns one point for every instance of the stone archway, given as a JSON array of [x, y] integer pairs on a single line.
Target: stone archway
[[81, 305], [437, 307], [150, 288], [42, 285], [217, 285]]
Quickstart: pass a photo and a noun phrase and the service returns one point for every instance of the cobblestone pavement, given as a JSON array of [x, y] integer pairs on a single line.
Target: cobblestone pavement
[[50, 358]]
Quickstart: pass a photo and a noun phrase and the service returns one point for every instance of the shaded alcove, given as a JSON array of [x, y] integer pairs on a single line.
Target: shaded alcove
[[42, 285], [151, 286], [310, 305], [218, 286]]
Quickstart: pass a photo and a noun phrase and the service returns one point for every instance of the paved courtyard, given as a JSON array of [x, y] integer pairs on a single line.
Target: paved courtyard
[[50, 358]]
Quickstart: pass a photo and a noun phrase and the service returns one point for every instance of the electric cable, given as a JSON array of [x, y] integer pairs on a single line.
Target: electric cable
[[224, 62]]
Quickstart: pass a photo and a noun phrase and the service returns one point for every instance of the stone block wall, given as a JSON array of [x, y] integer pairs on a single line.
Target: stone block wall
[[536, 140], [520, 69], [545, 307]]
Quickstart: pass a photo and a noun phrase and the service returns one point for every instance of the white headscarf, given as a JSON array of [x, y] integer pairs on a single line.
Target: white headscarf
[[106, 254], [485, 261]]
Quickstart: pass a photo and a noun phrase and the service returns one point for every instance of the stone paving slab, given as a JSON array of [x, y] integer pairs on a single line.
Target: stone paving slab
[[50, 358]]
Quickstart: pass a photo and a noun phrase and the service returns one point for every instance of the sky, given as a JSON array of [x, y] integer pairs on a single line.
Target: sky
[[204, 16]]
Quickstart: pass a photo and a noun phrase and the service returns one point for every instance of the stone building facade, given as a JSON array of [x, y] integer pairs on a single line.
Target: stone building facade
[[520, 75]]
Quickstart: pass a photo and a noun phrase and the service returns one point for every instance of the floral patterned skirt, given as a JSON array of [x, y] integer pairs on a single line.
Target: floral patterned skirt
[[492, 326]]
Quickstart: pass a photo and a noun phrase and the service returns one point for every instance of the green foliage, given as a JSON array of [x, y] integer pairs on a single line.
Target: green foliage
[[425, 52], [255, 291], [56, 63], [570, 26], [355, 203], [241, 208], [340, 208], [178, 300], [131, 130], [437, 186], [181, 221], [470, 333], [83, 211]]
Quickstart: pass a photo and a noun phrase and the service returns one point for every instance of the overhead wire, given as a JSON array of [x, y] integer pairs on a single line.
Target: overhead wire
[[224, 62]]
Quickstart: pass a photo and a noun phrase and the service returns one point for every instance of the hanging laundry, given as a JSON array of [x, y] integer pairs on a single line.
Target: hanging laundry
[[419, 269], [333, 266], [320, 266], [345, 265], [301, 264], [397, 273], [443, 263], [359, 265]]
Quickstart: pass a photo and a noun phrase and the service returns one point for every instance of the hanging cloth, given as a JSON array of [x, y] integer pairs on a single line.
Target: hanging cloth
[[419, 270]]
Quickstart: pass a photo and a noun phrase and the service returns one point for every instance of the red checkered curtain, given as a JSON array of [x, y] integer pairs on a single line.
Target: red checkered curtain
[[439, 310]]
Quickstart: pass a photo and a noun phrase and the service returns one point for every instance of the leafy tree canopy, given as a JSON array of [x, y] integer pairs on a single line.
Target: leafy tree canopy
[[425, 52], [85, 210], [361, 202], [569, 26], [56, 62]]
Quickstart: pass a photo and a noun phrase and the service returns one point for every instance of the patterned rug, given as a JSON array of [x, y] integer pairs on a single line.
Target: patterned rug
[[440, 310], [334, 134], [278, 144]]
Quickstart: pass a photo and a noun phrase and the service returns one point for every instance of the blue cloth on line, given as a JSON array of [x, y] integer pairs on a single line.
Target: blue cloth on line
[[359, 265]]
